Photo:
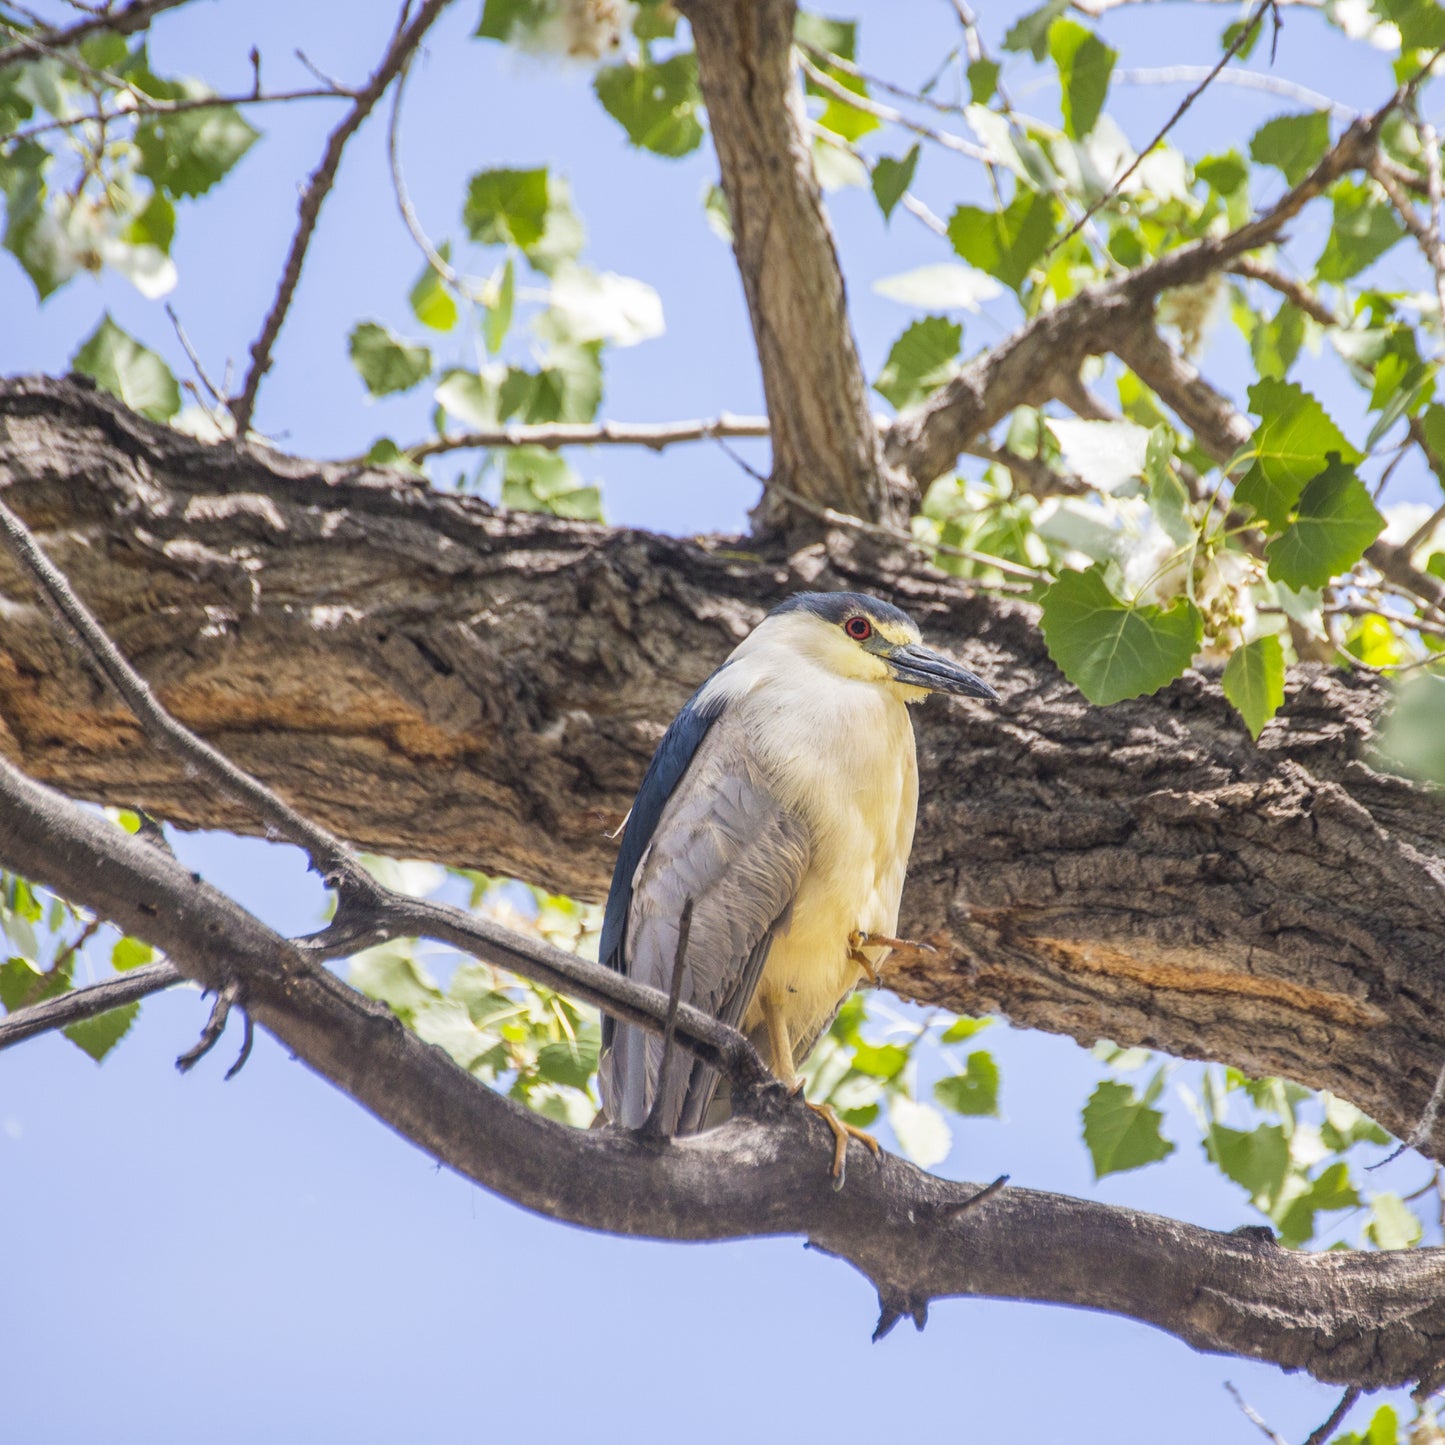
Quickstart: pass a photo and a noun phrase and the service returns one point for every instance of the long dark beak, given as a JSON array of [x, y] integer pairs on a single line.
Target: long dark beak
[[922, 667]]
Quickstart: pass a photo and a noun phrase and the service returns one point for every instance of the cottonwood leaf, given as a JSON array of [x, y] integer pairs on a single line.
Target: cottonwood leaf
[[386, 363], [1333, 525], [99, 1035], [1290, 446], [506, 206], [1254, 681], [973, 1092], [1121, 1130], [922, 1132], [1005, 243], [1293, 144], [655, 104], [1111, 650], [891, 178], [920, 361], [1106, 454], [1084, 63], [133, 372], [945, 285], [187, 154]]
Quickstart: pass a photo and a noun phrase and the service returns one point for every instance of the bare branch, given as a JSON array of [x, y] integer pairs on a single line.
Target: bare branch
[[1322, 1432], [85, 1003], [654, 435], [1244, 79], [137, 15], [886, 113], [1361, 1319], [1293, 291], [403, 42]]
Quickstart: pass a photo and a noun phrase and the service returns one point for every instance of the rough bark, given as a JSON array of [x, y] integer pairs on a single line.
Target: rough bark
[[1361, 1319], [431, 678], [825, 443]]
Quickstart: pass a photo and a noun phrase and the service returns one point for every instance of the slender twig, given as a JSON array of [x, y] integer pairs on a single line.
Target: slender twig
[[194, 358], [1235, 46], [1245, 79], [1095, 8], [1254, 1417], [962, 1206], [822, 56], [146, 106], [1322, 1432], [404, 41], [1423, 532], [947, 139], [85, 1003], [552, 435], [654, 1124], [1292, 290], [329, 855], [410, 219], [125, 21]]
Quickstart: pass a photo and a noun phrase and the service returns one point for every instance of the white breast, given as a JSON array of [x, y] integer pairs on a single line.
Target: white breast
[[841, 754]]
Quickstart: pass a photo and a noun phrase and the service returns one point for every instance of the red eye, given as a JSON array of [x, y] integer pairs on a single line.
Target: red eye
[[858, 628]]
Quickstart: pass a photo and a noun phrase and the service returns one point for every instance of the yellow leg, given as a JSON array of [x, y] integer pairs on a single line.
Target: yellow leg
[[781, 1048]]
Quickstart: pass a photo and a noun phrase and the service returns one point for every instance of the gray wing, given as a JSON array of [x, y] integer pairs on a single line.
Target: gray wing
[[726, 842]]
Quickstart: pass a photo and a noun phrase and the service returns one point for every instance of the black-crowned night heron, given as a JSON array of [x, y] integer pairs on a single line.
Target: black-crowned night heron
[[781, 802]]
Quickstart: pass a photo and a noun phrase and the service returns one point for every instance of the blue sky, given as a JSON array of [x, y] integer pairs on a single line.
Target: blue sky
[[192, 1259]]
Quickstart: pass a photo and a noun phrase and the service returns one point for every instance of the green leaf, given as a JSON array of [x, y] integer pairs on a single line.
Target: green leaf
[[1257, 1159], [1345, 1125], [920, 361], [1422, 27], [1254, 681], [186, 154], [1121, 1130], [23, 983], [1085, 64], [963, 1028], [973, 1092], [155, 225], [506, 207], [1226, 173], [387, 364], [498, 320], [982, 80], [130, 953], [1333, 1190], [431, 302], [99, 1035], [1293, 144], [1109, 649], [1393, 1224], [1274, 344], [124, 367], [656, 105], [570, 1061], [389, 972], [1365, 227], [1031, 32], [499, 16], [562, 233], [837, 37], [922, 1132], [1290, 446], [1335, 522], [879, 1061], [890, 179], [1005, 243], [535, 480], [843, 119]]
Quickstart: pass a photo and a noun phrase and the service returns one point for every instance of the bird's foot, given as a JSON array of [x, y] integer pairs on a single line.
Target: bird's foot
[[842, 1133], [897, 947]]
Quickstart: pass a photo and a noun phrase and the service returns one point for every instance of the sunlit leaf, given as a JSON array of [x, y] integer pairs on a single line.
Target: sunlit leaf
[[920, 361], [387, 363], [1293, 144], [656, 104], [891, 178], [99, 1035], [1111, 650], [506, 206], [1084, 63], [973, 1092], [133, 372], [1334, 523], [1254, 681], [1121, 1130]]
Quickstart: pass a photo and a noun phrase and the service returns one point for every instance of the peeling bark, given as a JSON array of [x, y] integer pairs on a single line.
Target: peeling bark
[[431, 678]]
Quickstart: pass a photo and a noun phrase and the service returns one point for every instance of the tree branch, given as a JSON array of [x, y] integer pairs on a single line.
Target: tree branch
[[85, 1003], [656, 436], [1143, 872], [1360, 1319], [404, 41], [825, 445], [137, 15]]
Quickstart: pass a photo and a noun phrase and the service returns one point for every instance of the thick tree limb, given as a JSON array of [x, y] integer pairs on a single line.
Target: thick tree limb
[[1358, 1319], [429, 678], [825, 445]]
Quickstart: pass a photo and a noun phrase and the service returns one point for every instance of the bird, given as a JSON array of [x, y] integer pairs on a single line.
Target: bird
[[777, 813]]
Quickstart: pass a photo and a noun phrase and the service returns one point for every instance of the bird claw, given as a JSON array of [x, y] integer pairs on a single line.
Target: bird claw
[[897, 947], [842, 1133]]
